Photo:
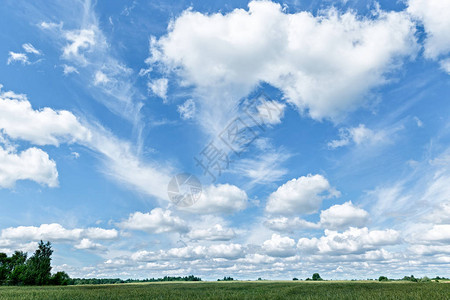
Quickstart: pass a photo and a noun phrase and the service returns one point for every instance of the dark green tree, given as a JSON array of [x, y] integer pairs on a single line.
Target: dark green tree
[[4, 268], [17, 268], [316, 277], [39, 265], [60, 278]]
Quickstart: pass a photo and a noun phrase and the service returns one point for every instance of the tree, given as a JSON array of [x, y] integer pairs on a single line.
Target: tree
[[295, 279], [4, 268], [316, 277], [383, 278], [39, 265], [60, 278], [17, 268]]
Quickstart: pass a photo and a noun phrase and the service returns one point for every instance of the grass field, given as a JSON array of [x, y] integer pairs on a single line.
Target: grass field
[[237, 290]]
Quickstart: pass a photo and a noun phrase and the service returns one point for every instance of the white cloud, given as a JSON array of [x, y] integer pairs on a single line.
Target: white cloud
[[226, 251], [353, 240], [29, 48], [100, 78], [438, 233], [214, 233], [96, 233], [257, 259], [69, 69], [303, 195], [80, 41], [271, 111], [20, 57], [445, 64], [221, 198], [323, 64], [435, 16], [187, 109], [284, 224], [358, 135], [157, 221], [440, 215], [343, 216], [19, 120], [230, 251], [31, 164], [56, 232], [50, 25], [86, 244], [159, 87], [279, 246]]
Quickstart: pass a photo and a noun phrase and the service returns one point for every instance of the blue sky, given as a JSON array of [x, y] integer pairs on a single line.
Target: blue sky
[[102, 103]]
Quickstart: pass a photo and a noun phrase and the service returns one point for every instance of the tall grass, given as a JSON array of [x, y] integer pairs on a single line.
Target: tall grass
[[236, 290]]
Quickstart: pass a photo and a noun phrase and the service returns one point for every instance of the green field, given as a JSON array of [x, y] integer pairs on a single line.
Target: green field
[[237, 290]]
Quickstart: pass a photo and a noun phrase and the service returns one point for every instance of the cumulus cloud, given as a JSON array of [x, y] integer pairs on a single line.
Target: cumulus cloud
[[323, 64], [226, 251], [353, 240], [159, 87], [80, 41], [343, 216], [69, 69], [31, 164], [435, 16], [435, 233], [279, 246], [56, 232], [271, 111], [157, 221], [100, 78], [187, 109], [86, 244], [214, 233], [303, 195], [358, 135], [221, 198], [19, 120], [284, 224]]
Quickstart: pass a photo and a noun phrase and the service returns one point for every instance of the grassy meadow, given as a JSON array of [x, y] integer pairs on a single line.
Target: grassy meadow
[[237, 290]]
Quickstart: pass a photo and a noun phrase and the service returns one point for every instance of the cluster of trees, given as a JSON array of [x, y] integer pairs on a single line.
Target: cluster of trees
[[35, 270], [315, 277], [227, 279]]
